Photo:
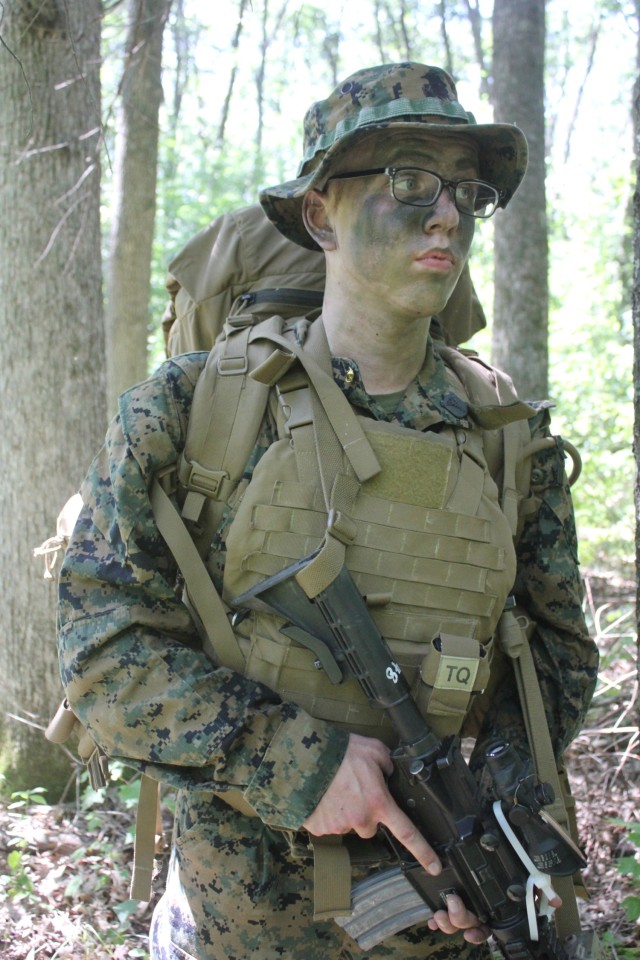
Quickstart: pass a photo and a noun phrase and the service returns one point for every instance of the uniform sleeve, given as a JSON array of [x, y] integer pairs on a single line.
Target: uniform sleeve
[[130, 656], [548, 587]]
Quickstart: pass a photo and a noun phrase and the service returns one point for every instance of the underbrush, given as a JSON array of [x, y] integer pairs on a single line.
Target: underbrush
[[64, 886]]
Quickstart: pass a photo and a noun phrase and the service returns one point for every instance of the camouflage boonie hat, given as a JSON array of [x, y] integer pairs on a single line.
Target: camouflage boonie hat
[[402, 94]]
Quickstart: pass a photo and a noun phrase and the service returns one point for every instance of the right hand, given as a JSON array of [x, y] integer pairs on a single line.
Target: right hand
[[358, 799]]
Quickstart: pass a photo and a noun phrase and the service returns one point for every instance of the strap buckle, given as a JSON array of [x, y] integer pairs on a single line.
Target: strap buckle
[[232, 366], [204, 481]]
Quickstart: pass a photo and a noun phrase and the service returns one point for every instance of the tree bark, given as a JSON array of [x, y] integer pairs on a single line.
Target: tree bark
[[475, 22], [235, 45], [520, 321], [51, 330], [134, 206], [635, 301]]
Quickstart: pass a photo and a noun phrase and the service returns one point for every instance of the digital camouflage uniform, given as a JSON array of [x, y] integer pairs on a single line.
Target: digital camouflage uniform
[[135, 676], [131, 659]]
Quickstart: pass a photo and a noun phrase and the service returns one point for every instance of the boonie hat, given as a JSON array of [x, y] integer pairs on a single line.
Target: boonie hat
[[402, 94]]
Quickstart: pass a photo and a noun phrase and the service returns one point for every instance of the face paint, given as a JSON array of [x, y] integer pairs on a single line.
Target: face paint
[[391, 255]]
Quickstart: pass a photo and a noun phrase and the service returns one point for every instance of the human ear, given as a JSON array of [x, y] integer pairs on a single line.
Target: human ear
[[317, 220]]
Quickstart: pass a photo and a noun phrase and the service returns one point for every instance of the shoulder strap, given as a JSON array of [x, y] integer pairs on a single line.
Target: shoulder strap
[[227, 410]]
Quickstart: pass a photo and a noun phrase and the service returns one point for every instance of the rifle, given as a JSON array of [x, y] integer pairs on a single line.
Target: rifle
[[494, 855]]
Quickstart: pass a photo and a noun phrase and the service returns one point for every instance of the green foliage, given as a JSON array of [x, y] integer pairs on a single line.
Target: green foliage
[[22, 798], [24, 751], [100, 868], [17, 883], [592, 373], [629, 866]]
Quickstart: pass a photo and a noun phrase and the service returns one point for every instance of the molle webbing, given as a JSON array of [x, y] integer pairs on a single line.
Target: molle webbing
[[432, 550]]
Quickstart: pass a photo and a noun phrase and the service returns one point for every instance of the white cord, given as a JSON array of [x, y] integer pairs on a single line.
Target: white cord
[[536, 877]]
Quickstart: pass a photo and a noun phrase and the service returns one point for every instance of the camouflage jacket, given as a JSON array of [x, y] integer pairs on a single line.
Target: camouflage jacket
[[129, 653]]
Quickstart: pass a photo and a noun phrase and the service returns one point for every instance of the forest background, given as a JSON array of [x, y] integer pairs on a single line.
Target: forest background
[[82, 296]]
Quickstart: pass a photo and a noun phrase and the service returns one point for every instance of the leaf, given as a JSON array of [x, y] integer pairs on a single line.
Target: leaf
[[628, 865], [14, 860], [632, 907], [74, 886], [125, 909], [92, 798], [129, 793]]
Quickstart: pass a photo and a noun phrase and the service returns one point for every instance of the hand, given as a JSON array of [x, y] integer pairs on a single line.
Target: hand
[[455, 918], [358, 799]]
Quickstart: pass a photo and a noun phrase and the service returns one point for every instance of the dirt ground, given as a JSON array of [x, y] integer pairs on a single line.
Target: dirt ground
[[64, 870]]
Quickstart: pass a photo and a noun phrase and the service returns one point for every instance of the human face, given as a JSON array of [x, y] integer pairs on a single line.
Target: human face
[[391, 256]]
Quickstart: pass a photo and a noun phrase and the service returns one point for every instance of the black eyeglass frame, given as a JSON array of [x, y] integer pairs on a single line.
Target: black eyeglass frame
[[453, 185]]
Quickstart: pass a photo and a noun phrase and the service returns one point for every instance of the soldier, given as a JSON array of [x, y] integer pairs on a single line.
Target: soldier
[[394, 176]]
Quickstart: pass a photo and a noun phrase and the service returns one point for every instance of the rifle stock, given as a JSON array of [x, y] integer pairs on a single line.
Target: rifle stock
[[494, 856]]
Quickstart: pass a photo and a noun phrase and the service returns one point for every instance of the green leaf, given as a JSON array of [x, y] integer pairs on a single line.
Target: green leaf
[[628, 865], [14, 860], [129, 793], [632, 907], [125, 909], [74, 886]]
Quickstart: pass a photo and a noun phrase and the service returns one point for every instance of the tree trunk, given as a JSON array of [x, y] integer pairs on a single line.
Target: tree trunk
[[520, 321], [51, 330], [134, 206], [636, 319]]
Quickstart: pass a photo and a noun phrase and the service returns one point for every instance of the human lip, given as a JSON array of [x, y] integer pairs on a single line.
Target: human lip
[[436, 259]]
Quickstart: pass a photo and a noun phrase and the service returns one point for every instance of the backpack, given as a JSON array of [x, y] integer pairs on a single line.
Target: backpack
[[225, 285]]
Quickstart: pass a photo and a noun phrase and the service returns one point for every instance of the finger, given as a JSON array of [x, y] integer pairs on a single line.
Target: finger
[[456, 917], [477, 935], [440, 921], [405, 831], [463, 919], [458, 914]]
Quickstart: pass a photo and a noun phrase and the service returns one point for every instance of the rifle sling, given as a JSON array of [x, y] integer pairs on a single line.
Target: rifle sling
[[515, 629]]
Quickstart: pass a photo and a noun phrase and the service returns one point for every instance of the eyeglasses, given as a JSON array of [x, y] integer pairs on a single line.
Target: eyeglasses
[[421, 188]]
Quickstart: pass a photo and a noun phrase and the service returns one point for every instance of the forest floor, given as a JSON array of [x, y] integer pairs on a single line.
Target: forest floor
[[64, 869]]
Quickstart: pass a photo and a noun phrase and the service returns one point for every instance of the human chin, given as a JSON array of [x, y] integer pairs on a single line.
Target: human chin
[[435, 286]]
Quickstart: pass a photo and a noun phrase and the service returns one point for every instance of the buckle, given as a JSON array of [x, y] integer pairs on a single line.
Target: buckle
[[206, 482], [228, 366]]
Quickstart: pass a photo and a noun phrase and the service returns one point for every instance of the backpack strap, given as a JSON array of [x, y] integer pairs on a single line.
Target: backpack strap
[[227, 403]]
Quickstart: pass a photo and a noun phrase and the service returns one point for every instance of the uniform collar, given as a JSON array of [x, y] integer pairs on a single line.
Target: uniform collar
[[430, 399]]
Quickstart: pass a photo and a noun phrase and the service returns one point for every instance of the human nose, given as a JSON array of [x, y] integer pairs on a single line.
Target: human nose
[[443, 214]]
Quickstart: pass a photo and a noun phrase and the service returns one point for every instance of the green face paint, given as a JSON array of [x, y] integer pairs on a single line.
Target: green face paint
[[402, 259]]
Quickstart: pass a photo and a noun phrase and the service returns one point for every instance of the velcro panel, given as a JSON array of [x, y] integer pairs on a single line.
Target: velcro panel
[[414, 470]]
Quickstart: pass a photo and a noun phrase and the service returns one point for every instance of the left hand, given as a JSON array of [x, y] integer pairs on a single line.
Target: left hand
[[456, 917]]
